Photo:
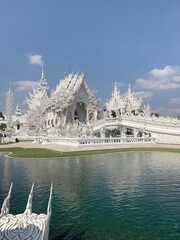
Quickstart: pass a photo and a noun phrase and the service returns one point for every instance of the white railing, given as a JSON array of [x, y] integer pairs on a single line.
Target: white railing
[[92, 141], [156, 125], [23, 137]]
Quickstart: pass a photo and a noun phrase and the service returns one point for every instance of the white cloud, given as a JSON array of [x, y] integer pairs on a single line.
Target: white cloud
[[35, 59], [144, 95], [162, 73], [161, 79], [175, 101], [25, 85]]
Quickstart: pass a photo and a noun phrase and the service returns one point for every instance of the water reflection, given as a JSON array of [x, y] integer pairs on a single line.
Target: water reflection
[[113, 195]]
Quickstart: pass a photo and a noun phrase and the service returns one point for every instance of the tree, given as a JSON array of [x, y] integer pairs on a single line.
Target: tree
[[1, 115], [3, 126], [155, 114]]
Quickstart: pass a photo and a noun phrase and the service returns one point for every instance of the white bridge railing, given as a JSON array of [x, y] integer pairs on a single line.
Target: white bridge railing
[[149, 124], [93, 141]]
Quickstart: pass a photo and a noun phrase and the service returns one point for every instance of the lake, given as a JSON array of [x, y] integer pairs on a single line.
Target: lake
[[115, 196]]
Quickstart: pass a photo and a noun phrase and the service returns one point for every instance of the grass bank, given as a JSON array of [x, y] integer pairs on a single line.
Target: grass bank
[[45, 153]]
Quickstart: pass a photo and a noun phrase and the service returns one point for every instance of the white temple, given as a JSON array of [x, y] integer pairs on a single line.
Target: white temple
[[71, 101], [72, 115]]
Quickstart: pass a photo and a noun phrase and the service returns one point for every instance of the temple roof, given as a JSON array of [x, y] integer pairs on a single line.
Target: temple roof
[[67, 90], [132, 102], [128, 102], [116, 101]]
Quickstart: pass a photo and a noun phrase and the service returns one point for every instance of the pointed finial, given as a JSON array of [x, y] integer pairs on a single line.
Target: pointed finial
[[42, 74], [66, 73], [42, 82], [115, 87], [6, 204], [18, 111], [129, 89], [116, 90], [50, 201], [9, 87], [83, 76], [28, 209], [17, 106]]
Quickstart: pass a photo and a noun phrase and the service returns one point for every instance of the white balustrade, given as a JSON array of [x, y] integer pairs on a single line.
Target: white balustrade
[[93, 141]]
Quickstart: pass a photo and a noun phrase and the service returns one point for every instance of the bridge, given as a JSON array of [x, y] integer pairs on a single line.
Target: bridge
[[165, 130]]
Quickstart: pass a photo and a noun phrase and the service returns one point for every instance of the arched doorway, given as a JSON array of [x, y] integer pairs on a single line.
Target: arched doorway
[[18, 126], [80, 112]]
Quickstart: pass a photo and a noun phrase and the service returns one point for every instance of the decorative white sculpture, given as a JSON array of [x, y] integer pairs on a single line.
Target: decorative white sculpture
[[27, 225], [35, 116]]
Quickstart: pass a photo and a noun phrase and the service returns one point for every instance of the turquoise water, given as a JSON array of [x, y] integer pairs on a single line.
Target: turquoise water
[[116, 196]]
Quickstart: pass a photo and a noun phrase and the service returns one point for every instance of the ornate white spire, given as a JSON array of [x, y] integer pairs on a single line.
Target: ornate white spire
[[116, 91], [36, 101], [39, 94], [18, 111], [147, 109], [9, 107], [43, 83], [116, 102], [132, 103], [42, 74], [66, 73], [129, 90]]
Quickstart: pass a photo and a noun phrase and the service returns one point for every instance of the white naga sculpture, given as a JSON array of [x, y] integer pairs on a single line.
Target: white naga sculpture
[[25, 226]]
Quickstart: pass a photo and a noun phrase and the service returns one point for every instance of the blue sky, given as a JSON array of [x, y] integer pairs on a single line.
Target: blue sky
[[110, 40]]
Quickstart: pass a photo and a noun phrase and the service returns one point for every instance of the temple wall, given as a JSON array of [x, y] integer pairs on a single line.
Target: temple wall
[[167, 138]]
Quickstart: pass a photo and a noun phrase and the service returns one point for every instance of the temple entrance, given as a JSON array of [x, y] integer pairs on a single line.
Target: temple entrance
[[18, 126], [80, 113]]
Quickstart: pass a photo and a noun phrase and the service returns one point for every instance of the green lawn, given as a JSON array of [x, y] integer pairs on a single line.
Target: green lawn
[[44, 153]]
